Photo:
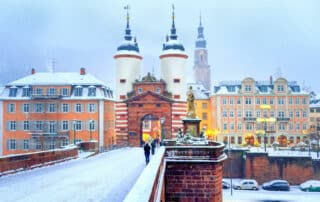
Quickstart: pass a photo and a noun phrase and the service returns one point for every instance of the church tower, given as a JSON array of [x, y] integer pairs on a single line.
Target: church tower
[[128, 63], [174, 64], [201, 69]]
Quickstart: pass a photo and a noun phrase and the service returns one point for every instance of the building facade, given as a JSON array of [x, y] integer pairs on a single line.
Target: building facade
[[238, 109], [48, 110], [140, 101], [201, 68]]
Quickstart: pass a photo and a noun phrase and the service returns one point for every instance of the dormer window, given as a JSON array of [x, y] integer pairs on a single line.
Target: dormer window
[[51, 91], [38, 91], [140, 90], [158, 90], [78, 91], [92, 91], [248, 88], [13, 92], [280, 88], [64, 91], [26, 91]]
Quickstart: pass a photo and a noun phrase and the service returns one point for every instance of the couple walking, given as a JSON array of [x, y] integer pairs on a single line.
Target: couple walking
[[147, 149]]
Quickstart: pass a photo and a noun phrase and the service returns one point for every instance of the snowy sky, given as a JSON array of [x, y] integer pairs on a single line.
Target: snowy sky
[[255, 38]]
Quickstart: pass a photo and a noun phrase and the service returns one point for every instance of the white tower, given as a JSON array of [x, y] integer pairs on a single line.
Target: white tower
[[174, 65], [128, 63]]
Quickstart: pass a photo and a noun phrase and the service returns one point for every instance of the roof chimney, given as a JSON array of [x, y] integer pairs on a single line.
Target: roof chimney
[[271, 80], [33, 71], [82, 71]]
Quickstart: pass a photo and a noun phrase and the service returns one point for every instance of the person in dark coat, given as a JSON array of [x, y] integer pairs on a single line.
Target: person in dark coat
[[153, 146], [147, 152]]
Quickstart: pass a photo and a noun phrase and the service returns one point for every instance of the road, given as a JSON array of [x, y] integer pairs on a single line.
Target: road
[[105, 177]]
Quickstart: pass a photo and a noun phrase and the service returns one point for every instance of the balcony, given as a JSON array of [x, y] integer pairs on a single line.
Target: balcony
[[42, 97], [283, 119], [249, 119]]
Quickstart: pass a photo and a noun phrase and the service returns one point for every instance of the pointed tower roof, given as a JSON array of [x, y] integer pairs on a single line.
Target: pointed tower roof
[[200, 42], [129, 44], [172, 44]]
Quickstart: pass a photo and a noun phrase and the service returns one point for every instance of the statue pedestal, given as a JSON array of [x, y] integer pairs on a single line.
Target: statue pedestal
[[192, 125]]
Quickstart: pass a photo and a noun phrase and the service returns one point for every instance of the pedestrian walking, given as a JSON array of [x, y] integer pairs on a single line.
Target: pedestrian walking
[[153, 146], [147, 152]]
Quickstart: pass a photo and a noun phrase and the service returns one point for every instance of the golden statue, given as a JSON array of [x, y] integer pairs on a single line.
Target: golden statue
[[191, 112]]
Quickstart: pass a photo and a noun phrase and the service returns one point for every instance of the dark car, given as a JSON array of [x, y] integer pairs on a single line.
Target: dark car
[[225, 185], [276, 185]]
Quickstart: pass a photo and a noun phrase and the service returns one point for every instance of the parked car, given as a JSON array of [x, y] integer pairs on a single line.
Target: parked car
[[225, 185], [246, 184], [310, 185], [276, 185]]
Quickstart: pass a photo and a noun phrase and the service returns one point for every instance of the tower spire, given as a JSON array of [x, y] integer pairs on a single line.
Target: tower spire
[[128, 36], [201, 42], [173, 34]]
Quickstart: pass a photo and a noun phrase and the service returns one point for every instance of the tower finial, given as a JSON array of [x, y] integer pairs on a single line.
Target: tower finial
[[173, 16], [173, 34], [128, 18], [200, 20], [127, 36]]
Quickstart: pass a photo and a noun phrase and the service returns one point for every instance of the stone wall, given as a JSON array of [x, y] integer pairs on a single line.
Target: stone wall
[[13, 163], [236, 170]]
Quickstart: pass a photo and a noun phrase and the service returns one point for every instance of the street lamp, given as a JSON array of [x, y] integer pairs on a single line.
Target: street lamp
[[162, 120], [74, 131], [265, 120], [90, 128]]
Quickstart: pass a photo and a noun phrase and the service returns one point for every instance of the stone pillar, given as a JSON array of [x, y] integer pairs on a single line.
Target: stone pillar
[[194, 173]]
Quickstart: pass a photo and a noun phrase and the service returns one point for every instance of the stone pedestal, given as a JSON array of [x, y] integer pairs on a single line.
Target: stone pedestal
[[191, 125], [194, 173]]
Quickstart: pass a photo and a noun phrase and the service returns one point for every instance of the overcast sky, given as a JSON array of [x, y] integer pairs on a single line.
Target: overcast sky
[[255, 38]]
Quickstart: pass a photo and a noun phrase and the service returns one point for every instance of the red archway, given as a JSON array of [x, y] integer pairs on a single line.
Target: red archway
[[283, 141], [249, 139]]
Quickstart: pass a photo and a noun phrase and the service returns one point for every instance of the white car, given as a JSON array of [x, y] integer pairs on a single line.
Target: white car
[[247, 184]]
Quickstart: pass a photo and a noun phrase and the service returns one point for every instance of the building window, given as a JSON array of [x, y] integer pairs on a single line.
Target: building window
[[304, 114], [39, 107], [297, 113], [52, 126], [176, 80], [52, 107], [238, 101], [281, 114], [239, 140], [291, 126], [298, 126], [249, 127], [65, 125], [38, 91], [232, 126], [258, 101], [158, 105], [64, 91], [297, 101], [51, 91], [39, 126], [91, 107], [12, 125], [158, 90], [204, 116], [26, 108], [122, 80], [92, 125], [140, 90], [26, 125], [291, 114], [224, 101], [231, 101], [264, 101], [231, 114], [78, 108], [13, 92], [281, 126], [77, 125], [78, 91], [248, 113], [304, 126], [265, 113], [304, 101], [248, 88], [11, 107], [225, 126], [25, 144], [204, 105], [258, 113], [280, 88], [248, 101], [272, 113], [271, 101], [26, 92], [65, 107], [239, 126], [290, 101], [11, 144], [92, 91], [280, 101], [140, 105], [225, 114], [239, 113]]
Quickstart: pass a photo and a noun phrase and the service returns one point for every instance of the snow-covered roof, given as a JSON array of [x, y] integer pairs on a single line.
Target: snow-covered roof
[[57, 78], [199, 91]]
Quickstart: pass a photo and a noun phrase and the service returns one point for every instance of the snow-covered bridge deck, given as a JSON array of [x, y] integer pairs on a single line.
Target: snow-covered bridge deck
[[105, 177]]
